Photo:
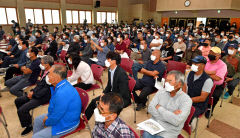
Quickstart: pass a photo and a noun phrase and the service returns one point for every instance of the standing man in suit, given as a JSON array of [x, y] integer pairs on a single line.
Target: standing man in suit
[[117, 82], [39, 95]]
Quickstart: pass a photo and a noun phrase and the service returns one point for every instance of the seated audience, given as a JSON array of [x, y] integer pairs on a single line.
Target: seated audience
[[154, 69], [205, 48], [117, 82], [87, 52], [30, 75], [179, 49], [157, 42], [191, 53], [53, 47], [167, 52], [121, 47], [216, 69], [108, 124], [170, 107], [38, 96], [64, 107], [233, 68], [74, 46], [1, 33], [82, 72]]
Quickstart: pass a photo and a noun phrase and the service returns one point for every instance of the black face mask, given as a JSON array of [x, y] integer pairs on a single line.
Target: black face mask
[[211, 57]]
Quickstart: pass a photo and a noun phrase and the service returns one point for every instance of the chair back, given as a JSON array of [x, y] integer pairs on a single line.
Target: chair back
[[135, 134], [84, 98], [210, 98], [126, 64], [63, 55], [0, 110], [187, 127], [131, 85], [174, 65], [225, 83], [97, 72]]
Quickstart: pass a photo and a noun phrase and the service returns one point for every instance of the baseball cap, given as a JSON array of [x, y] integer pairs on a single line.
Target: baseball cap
[[199, 59], [216, 50]]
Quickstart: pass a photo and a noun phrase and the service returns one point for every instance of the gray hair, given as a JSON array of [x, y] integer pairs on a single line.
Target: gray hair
[[77, 37], [179, 76], [61, 70], [48, 60]]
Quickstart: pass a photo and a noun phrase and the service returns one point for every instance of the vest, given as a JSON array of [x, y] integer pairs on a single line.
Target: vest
[[195, 88]]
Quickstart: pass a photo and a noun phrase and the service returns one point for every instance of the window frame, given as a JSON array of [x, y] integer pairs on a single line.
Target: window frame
[[106, 15], [5, 8], [78, 16], [44, 15]]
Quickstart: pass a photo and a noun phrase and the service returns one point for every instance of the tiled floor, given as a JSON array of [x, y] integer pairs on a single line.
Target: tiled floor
[[229, 114]]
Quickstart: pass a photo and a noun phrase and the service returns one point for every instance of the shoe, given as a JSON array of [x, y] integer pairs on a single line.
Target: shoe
[[194, 124], [207, 114], [4, 89], [27, 130], [140, 107], [226, 96]]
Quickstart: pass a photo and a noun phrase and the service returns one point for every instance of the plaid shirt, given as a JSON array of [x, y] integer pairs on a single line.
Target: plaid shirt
[[118, 129]]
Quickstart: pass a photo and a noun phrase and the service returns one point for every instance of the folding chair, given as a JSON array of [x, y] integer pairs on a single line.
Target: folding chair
[[83, 119], [131, 85], [97, 73], [224, 90], [237, 94], [135, 134], [63, 55], [126, 64], [174, 65], [4, 122], [187, 126]]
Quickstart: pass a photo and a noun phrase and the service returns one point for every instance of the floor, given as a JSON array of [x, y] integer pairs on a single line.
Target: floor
[[228, 113]]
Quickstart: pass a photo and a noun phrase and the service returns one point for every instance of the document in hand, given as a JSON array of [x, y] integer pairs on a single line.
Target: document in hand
[[150, 126], [134, 50]]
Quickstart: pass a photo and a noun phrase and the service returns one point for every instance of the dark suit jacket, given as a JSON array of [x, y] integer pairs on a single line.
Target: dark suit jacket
[[120, 85], [42, 91]]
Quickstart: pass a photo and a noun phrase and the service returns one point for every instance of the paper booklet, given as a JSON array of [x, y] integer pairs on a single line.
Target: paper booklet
[[150, 126], [134, 50]]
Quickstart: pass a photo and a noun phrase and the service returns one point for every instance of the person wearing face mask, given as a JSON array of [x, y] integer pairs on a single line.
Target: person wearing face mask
[[87, 51], [1, 33], [170, 107], [156, 42], [145, 54], [39, 40], [37, 96], [216, 69], [192, 52], [237, 37], [102, 51], [53, 47], [198, 85], [107, 121], [110, 44], [149, 38], [204, 36], [64, 44], [94, 38], [74, 46], [117, 82], [167, 52], [121, 47], [231, 41], [233, 67], [82, 76], [64, 108], [126, 40], [205, 48], [55, 31], [179, 48], [30, 74], [153, 69]]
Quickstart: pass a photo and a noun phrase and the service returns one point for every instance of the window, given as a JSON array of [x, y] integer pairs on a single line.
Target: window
[[7, 15], [37, 15], [76, 17], [106, 16]]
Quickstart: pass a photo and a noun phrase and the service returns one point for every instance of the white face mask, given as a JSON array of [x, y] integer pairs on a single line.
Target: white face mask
[[28, 55], [230, 52], [85, 41], [169, 87], [141, 46], [74, 40], [20, 47], [47, 80], [222, 34], [203, 36], [99, 117], [156, 37], [224, 40], [50, 39], [64, 37], [41, 67], [190, 38], [17, 42], [118, 39], [236, 37], [194, 68], [7, 38], [107, 63], [109, 41], [167, 35], [69, 61], [153, 58], [102, 44], [36, 34], [179, 40]]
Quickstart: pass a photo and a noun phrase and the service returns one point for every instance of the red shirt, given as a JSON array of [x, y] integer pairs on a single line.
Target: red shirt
[[121, 46]]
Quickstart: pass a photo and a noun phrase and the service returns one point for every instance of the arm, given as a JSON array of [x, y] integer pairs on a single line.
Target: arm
[[97, 46], [201, 98], [149, 73], [177, 119], [151, 108], [26, 70], [154, 44], [39, 91]]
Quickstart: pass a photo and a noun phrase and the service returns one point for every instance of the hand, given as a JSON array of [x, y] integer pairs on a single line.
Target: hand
[[210, 72], [23, 68], [229, 79], [177, 112], [44, 120], [16, 65], [9, 53], [157, 106], [80, 54], [30, 94], [188, 67], [12, 56], [155, 77]]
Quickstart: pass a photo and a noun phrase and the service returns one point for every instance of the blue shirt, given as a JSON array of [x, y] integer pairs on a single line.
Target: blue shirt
[[23, 58], [150, 66], [101, 56], [111, 47], [64, 108]]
